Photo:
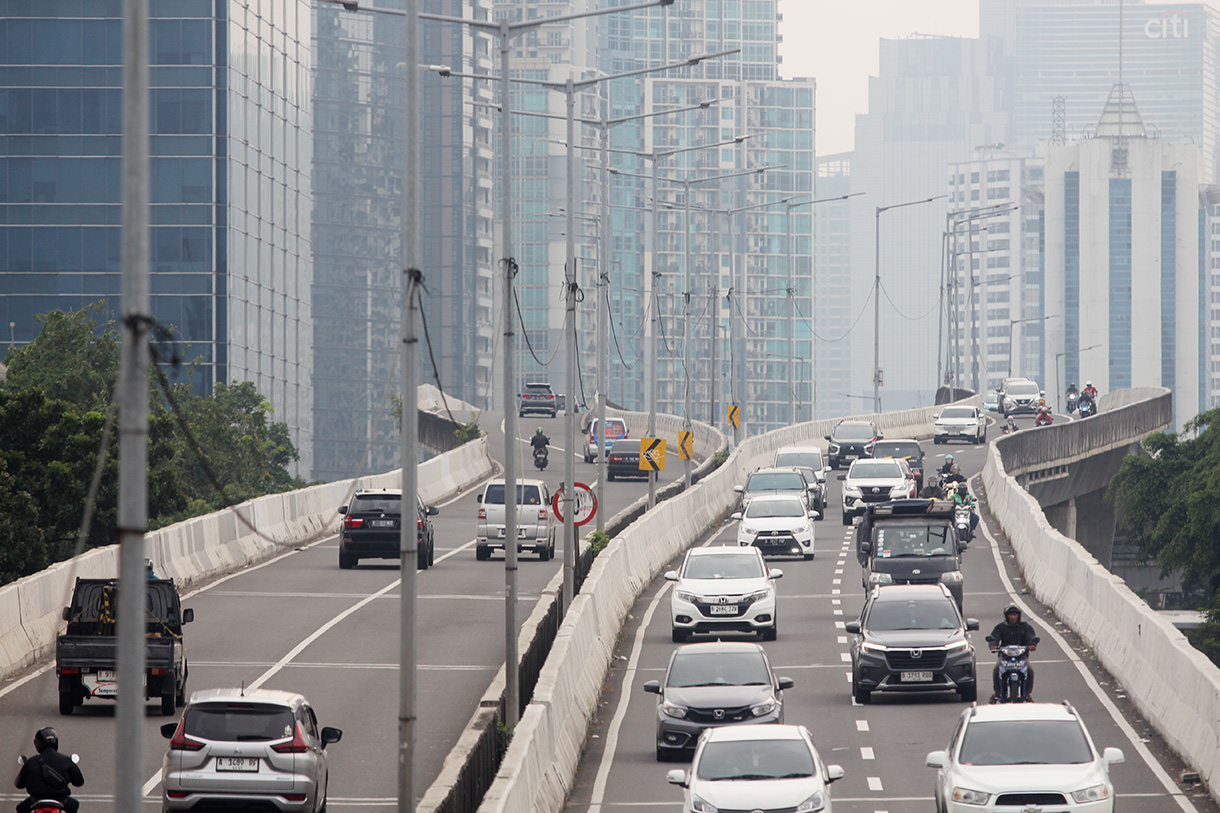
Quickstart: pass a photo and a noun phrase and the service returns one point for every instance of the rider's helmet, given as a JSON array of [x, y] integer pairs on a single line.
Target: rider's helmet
[[46, 738], [1088, 383], [948, 458], [1012, 609], [962, 489], [1072, 385], [538, 431], [956, 470]]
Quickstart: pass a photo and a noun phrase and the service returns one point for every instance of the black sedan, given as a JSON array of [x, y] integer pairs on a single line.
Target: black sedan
[[624, 459]]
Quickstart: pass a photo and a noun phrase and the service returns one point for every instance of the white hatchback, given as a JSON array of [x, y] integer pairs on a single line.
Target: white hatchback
[[756, 767], [723, 589], [778, 525], [1023, 756]]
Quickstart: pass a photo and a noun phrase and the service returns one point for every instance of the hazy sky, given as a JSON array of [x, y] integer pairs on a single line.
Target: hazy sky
[[837, 43]]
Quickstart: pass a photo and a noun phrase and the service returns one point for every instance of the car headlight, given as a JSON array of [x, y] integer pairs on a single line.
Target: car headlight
[[850, 489], [952, 577], [834, 448], [684, 596], [673, 710], [1096, 793], [957, 647], [868, 447], [970, 797], [874, 649], [900, 491], [880, 578], [763, 708], [749, 531], [699, 806], [815, 802], [759, 595]]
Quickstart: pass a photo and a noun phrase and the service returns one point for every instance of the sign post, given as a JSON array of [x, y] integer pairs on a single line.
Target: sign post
[[586, 504]]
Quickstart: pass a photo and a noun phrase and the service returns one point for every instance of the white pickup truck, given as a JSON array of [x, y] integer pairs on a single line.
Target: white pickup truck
[[535, 520]]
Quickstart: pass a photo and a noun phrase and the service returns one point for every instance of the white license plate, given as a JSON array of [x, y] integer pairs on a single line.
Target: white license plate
[[249, 764], [106, 675], [851, 457], [722, 609], [521, 531], [381, 523], [916, 677]]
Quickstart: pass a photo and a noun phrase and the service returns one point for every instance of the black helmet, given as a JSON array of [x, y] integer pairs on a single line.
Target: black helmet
[[961, 489], [46, 738], [1012, 608]]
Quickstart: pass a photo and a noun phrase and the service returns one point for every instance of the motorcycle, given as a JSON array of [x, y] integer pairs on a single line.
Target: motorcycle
[[1014, 673], [47, 805], [1072, 399], [1010, 426], [1044, 418], [541, 457], [962, 516], [1088, 407]]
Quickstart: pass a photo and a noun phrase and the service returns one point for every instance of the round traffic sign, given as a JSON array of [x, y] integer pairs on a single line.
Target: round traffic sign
[[586, 504]]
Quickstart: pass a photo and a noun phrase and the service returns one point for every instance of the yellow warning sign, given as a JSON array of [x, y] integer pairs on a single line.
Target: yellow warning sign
[[686, 445], [652, 454], [734, 416]]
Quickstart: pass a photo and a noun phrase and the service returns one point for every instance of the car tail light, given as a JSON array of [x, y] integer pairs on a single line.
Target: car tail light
[[296, 745], [419, 523], [69, 670], [351, 522], [181, 742], [295, 797], [157, 670], [177, 794], [482, 513], [541, 513], [550, 397]]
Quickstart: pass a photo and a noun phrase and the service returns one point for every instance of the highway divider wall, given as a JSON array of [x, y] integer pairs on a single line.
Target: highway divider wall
[[540, 765], [203, 547], [1173, 685]]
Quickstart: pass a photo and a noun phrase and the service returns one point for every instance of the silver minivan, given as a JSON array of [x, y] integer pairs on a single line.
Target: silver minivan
[[243, 747], [535, 520]]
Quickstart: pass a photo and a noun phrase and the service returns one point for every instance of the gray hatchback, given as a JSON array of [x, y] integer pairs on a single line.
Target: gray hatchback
[[246, 748]]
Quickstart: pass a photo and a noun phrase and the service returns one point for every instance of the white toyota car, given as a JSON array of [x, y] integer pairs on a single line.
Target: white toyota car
[[778, 525]]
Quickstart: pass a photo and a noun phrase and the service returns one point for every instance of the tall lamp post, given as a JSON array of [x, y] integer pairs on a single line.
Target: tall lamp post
[[1012, 324], [1058, 380], [877, 295]]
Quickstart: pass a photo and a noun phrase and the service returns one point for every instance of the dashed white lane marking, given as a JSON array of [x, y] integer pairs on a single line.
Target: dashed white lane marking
[[836, 581], [837, 601], [861, 725], [843, 639], [837, 612], [867, 753], [845, 657], [874, 783]]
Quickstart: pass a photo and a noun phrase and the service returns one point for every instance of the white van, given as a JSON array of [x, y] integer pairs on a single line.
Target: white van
[[535, 520], [615, 430]]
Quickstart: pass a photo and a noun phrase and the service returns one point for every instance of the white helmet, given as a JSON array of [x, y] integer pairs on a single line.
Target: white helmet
[[1088, 383]]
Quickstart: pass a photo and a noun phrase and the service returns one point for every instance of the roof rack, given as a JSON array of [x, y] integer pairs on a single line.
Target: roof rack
[[911, 507]]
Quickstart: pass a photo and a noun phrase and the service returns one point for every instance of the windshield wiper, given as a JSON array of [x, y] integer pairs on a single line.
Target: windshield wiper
[[753, 777]]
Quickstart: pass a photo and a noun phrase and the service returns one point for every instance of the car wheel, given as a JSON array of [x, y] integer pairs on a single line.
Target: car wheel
[[969, 694], [662, 754], [67, 702], [421, 559], [680, 636], [482, 552], [846, 518], [770, 633], [347, 561], [861, 695], [168, 696], [808, 557], [610, 476], [431, 552]]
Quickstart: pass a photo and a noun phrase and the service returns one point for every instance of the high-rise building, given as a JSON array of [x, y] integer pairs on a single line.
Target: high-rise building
[[358, 165], [1044, 49], [231, 145], [1124, 226], [833, 315]]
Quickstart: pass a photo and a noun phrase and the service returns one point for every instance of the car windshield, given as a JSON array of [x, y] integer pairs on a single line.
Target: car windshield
[[811, 458], [526, 495], [776, 481], [544, 389], [724, 566], [624, 445], [1023, 388], [755, 760], [903, 541], [957, 412], [853, 431], [887, 616], [1025, 742], [385, 503], [910, 451], [875, 468], [244, 722], [614, 429], [765, 509], [694, 668]]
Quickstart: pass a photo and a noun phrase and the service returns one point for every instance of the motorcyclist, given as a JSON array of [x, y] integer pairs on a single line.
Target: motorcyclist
[[949, 481], [962, 496], [1010, 425], [1044, 415], [1071, 390], [1012, 631], [48, 774], [948, 467], [1089, 391], [539, 440]]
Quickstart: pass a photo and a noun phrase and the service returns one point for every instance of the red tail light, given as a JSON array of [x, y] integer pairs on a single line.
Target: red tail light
[[550, 397], [349, 522], [541, 513], [69, 670], [419, 523], [296, 746], [181, 742], [482, 513]]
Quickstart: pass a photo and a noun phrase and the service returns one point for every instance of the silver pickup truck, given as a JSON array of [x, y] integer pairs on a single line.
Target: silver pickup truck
[[535, 520]]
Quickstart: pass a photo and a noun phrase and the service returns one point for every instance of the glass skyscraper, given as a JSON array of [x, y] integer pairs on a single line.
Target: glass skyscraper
[[231, 189]]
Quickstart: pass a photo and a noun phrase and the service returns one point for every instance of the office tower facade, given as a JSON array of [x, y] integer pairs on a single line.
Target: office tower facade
[[1069, 49], [931, 103], [231, 143], [833, 316], [1123, 263], [358, 165]]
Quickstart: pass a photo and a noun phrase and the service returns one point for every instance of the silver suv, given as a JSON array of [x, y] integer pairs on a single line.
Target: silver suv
[[535, 520], [250, 748]]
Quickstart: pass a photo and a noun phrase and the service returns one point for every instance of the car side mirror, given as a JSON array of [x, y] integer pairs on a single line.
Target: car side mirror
[[653, 687], [972, 624], [815, 514], [962, 545], [1112, 755], [330, 735], [433, 510], [343, 510], [880, 436], [775, 573], [739, 489], [826, 436], [937, 759], [866, 547], [67, 614], [168, 730], [842, 476], [853, 627], [735, 515], [188, 615], [478, 498], [834, 773], [784, 683], [676, 777], [671, 575]]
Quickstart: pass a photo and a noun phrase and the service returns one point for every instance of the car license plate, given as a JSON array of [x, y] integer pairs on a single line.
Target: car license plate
[[916, 677], [237, 764], [722, 609], [851, 456], [106, 675], [381, 523]]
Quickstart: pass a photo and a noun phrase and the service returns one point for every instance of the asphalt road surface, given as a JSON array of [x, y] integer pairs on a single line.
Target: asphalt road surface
[[882, 746], [299, 623]]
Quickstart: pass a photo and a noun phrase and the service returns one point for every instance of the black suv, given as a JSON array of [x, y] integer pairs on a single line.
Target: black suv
[[371, 528], [912, 638], [908, 450], [850, 441], [538, 397]]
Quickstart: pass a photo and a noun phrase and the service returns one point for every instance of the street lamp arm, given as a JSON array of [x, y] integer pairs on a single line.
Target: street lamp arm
[[638, 116], [881, 209], [686, 63]]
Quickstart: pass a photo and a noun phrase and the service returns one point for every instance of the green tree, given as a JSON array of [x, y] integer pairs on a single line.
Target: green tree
[[71, 359], [1168, 500], [22, 548]]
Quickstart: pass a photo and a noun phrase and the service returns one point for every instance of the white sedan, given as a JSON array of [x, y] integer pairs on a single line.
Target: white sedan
[[756, 767], [778, 525]]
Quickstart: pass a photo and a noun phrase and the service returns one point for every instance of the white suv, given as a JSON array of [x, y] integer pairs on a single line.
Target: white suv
[[535, 520], [1023, 756], [871, 481], [778, 524], [721, 589], [960, 423]]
